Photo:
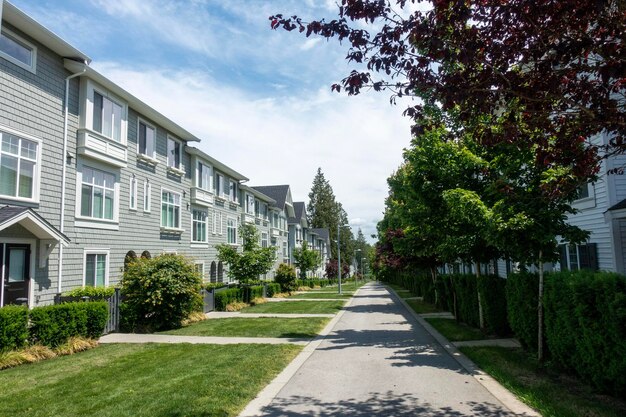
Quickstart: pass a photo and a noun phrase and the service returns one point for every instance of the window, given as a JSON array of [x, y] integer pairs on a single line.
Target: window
[[199, 224], [575, 257], [257, 208], [18, 51], [146, 138], [219, 185], [233, 191], [170, 210], [264, 240], [96, 269], [107, 117], [249, 204], [97, 197], [583, 191], [203, 176], [275, 220], [214, 218], [147, 196], [174, 153], [132, 204], [220, 224], [19, 169], [231, 230], [199, 268], [284, 249], [264, 211]]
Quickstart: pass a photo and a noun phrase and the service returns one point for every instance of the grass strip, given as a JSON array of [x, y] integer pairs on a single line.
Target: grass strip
[[421, 307], [297, 307], [255, 327], [144, 380], [312, 294], [553, 395], [454, 331]]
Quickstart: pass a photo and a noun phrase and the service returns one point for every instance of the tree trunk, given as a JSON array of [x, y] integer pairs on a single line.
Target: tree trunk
[[481, 318], [433, 273], [540, 311]]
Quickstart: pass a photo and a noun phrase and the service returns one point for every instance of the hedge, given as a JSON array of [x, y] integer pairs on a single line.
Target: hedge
[[493, 300], [521, 295], [272, 288], [94, 293], [13, 327], [225, 297], [252, 292], [53, 325]]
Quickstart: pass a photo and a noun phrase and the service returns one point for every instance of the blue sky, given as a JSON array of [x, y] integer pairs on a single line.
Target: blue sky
[[259, 99]]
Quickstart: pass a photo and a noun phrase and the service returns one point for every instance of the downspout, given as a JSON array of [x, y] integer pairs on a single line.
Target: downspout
[[79, 68]]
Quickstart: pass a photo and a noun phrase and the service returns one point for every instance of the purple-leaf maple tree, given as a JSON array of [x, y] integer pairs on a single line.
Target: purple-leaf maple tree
[[554, 67]]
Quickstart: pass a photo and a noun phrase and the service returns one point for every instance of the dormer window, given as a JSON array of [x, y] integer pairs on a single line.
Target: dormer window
[[107, 117], [18, 51]]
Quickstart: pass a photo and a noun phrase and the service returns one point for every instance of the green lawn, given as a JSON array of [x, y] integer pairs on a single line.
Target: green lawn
[[300, 307], [552, 395], [421, 307], [255, 327], [454, 331], [314, 294], [144, 380]]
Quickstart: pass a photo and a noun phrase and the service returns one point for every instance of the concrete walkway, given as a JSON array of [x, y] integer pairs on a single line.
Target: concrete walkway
[[378, 359], [165, 338]]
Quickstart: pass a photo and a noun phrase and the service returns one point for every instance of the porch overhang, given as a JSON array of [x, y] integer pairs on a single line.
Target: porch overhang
[[31, 221]]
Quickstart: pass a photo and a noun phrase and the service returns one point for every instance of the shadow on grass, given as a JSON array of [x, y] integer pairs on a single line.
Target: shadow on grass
[[379, 404]]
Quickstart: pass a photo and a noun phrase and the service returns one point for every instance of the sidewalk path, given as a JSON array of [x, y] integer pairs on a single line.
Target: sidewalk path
[[378, 360]]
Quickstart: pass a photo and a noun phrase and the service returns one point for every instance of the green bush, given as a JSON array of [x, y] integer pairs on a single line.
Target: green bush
[[94, 293], [466, 291], [585, 321], [161, 292], [272, 288], [252, 292], [53, 325], [286, 277], [521, 294], [227, 296], [492, 290], [13, 327]]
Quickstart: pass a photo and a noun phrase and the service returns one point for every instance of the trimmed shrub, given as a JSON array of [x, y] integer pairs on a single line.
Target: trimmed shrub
[[521, 294], [13, 327], [54, 325], [252, 292], [272, 288], [94, 293], [466, 290], [226, 297], [492, 290], [286, 277], [162, 291], [585, 320]]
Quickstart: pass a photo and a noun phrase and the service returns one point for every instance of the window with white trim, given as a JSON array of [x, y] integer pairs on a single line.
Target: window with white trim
[[19, 167], [132, 191], [107, 116], [96, 269], [170, 209], [264, 239], [257, 208], [199, 268], [18, 50], [231, 230], [203, 176], [249, 204], [214, 217], [264, 211], [199, 225], [220, 223], [232, 191], [147, 196], [146, 140], [98, 195], [284, 249], [219, 185], [174, 153]]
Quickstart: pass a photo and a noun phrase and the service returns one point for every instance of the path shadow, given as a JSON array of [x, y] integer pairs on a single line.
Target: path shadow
[[387, 404]]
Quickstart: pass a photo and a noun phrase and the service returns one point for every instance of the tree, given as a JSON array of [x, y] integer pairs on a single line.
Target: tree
[[252, 262], [361, 250], [286, 277], [331, 269], [306, 259], [557, 65]]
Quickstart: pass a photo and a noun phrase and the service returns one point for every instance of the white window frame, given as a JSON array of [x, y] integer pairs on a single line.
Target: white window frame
[[214, 221], [232, 191], [37, 170], [180, 169], [180, 211], [94, 222], [249, 204], [147, 196], [195, 264], [586, 202], [209, 182], [123, 115], [220, 223], [94, 251], [132, 193], [206, 226], [150, 158], [26, 44], [219, 185], [228, 230], [264, 239], [88, 87]]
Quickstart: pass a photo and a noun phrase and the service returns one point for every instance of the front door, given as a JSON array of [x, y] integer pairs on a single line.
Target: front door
[[16, 273]]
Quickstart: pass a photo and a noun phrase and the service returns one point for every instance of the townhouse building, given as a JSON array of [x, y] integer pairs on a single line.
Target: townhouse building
[[91, 176]]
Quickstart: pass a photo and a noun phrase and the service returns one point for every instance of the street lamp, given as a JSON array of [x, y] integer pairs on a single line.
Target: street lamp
[[362, 265], [339, 226], [357, 265]]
